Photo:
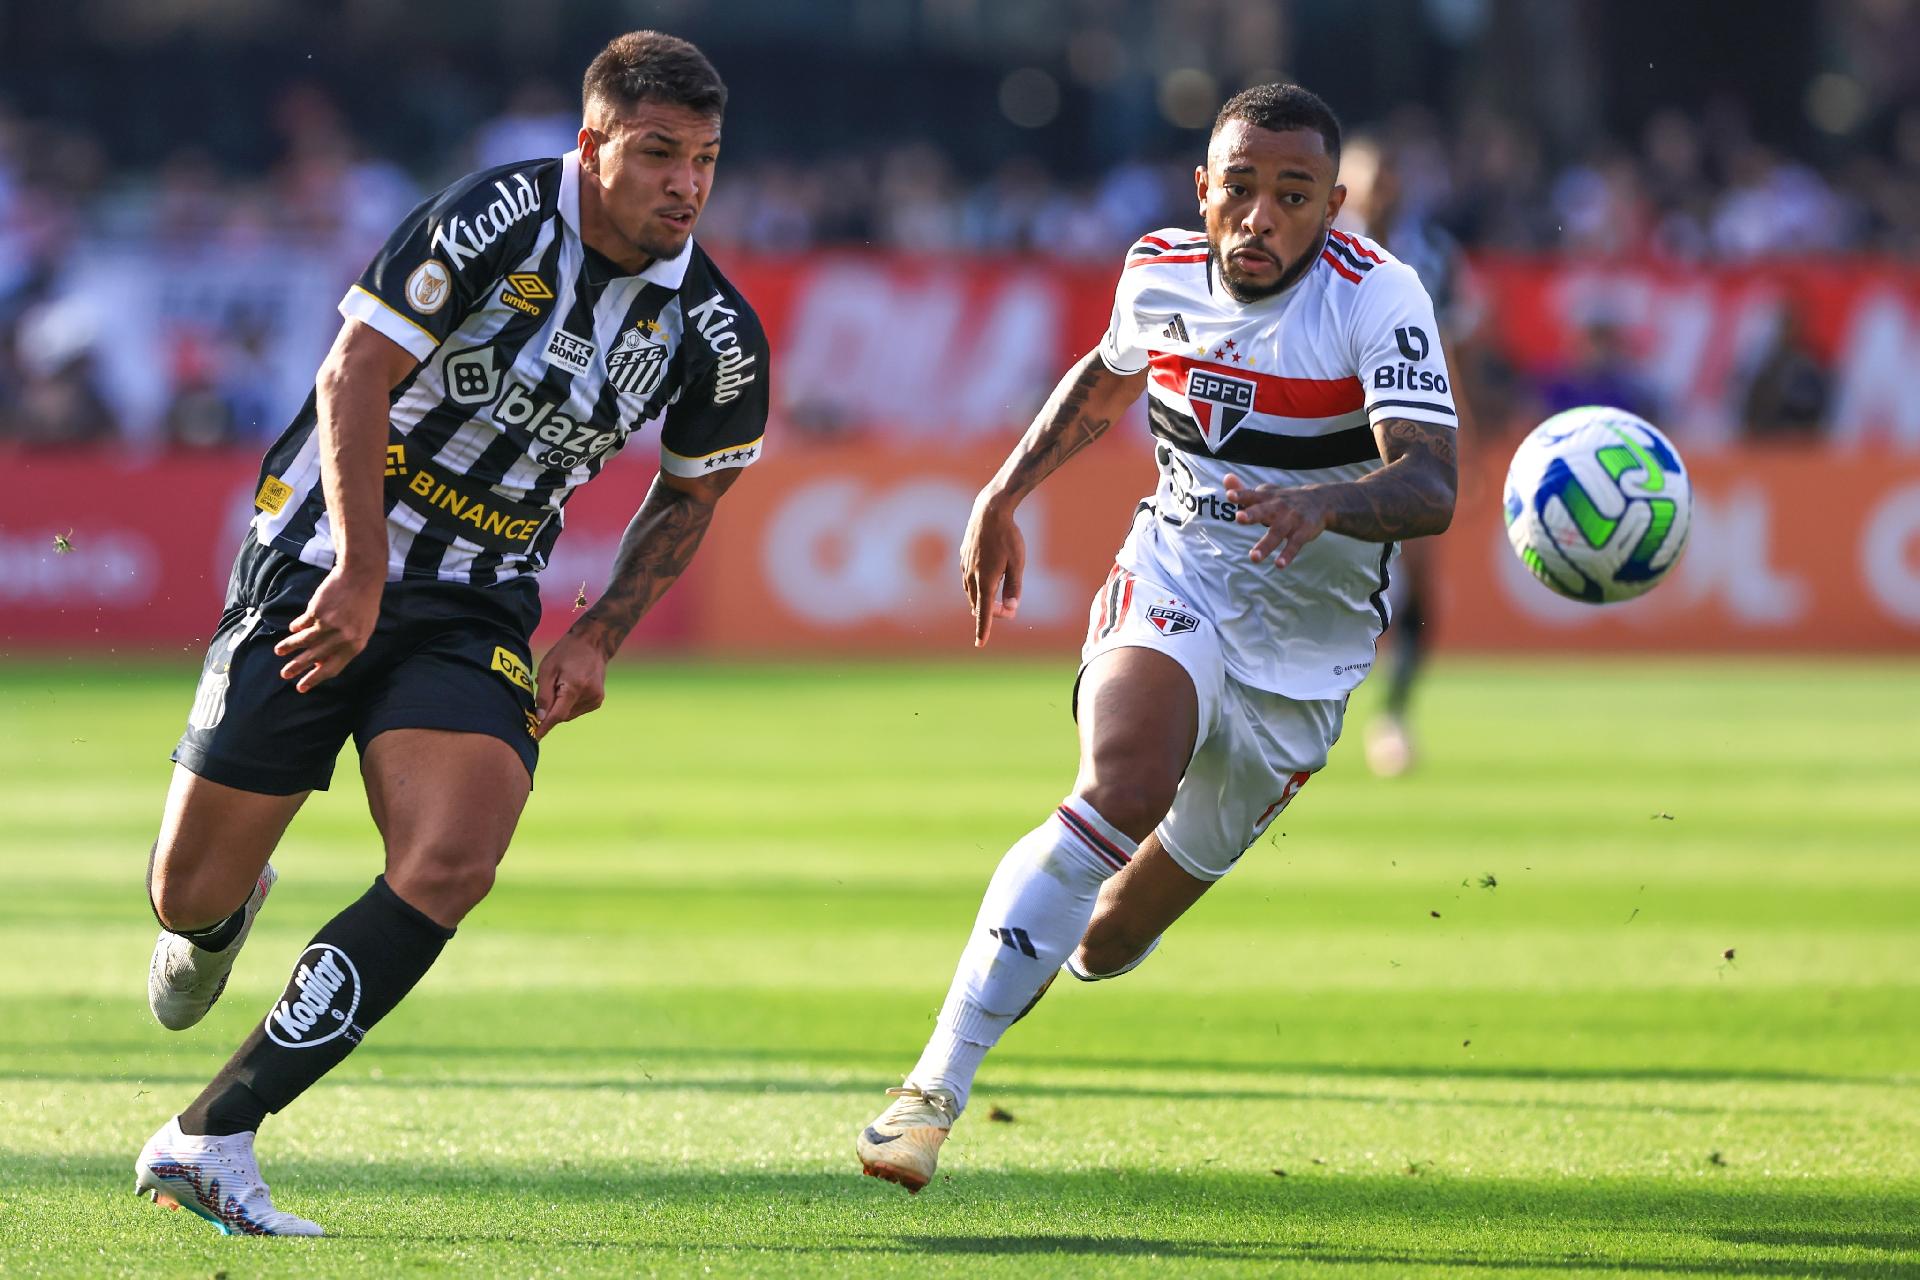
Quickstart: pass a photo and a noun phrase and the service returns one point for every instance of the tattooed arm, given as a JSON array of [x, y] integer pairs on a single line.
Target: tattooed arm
[[1411, 497], [657, 547], [993, 555]]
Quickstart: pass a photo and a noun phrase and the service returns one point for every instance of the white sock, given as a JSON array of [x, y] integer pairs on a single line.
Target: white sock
[[1034, 914]]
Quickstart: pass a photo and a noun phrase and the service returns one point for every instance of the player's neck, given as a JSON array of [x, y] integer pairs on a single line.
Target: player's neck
[[598, 234]]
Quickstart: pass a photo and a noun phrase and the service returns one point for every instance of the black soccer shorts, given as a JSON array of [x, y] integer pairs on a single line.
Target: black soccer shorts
[[444, 655]]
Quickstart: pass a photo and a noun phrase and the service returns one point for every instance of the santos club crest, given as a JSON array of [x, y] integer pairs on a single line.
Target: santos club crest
[[1220, 403], [638, 362]]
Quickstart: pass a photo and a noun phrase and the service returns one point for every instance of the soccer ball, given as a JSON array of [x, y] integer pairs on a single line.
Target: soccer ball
[[1598, 504]]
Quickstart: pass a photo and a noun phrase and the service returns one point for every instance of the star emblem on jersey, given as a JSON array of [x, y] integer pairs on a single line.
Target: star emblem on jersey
[[1171, 622], [1220, 403], [637, 363]]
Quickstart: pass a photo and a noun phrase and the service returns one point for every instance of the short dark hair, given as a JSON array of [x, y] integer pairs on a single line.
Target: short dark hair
[[651, 66], [1279, 107]]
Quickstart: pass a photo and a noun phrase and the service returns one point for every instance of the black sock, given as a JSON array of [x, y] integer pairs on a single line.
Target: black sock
[[357, 968], [216, 937]]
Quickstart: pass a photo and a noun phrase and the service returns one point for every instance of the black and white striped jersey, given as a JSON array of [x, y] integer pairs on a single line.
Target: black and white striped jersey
[[538, 359]]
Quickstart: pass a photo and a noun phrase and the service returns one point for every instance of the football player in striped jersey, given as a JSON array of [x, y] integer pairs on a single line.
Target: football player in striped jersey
[[513, 334], [1304, 427]]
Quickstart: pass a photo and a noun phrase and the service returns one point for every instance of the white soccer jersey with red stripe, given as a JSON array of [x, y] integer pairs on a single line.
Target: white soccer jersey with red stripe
[[1280, 391]]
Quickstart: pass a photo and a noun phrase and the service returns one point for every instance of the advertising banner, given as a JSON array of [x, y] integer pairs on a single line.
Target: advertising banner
[[852, 549]]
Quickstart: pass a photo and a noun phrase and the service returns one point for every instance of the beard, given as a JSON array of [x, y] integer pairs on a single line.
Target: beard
[[1243, 290], [660, 245]]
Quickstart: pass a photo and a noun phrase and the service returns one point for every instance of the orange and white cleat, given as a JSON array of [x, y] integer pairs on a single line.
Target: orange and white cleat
[[903, 1143]]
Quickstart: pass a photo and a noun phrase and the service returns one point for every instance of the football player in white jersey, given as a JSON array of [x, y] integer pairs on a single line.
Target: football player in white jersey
[[1304, 426]]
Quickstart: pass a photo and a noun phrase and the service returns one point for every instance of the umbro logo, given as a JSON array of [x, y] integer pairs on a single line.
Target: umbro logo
[[525, 292], [1176, 329]]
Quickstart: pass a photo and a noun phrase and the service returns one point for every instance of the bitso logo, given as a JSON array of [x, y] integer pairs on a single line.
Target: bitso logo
[[1220, 403], [1171, 622], [429, 287], [636, 366], [319, 1002], [1413, 342]]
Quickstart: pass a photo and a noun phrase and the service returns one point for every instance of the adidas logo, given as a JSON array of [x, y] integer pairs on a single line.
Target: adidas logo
[[1176, 329], [1016, 939]]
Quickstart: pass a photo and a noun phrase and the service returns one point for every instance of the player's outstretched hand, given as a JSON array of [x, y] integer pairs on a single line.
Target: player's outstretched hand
[[1293, 518], [573, 681], [336, 626], [993, 556]]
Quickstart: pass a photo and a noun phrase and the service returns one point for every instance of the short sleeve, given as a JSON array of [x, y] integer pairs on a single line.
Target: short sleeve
[[1397, 353], [1121, 349], [719, 420], [445, 258]]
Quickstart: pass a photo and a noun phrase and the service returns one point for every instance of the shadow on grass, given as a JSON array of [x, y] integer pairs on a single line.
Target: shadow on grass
[[1891, 1241], [721, 1082], [1011, 1057], [1623, 1225]]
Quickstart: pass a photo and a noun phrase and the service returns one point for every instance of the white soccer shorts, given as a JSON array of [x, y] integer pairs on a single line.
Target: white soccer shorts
[[1254, 750]]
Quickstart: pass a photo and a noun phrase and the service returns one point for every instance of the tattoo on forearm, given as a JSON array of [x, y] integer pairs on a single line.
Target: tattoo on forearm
[[655, 550], [1411, 497], [1060, 431]]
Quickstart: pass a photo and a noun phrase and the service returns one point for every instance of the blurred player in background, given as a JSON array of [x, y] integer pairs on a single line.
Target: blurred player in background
[[1376, 208], [1295, 381], [512, 334]]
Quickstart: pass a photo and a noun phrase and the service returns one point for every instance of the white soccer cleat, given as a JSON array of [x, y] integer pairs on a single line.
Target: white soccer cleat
[[183, 981], [213, 1178], [903, 1143]]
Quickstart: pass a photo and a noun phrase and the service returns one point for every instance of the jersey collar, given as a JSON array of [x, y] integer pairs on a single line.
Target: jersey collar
[[669, 273]]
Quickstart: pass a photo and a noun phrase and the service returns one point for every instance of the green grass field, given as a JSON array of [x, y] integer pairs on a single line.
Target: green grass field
[[736, 900]]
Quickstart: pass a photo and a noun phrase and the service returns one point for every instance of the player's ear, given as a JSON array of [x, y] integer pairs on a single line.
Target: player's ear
[[1335, 200], [589, 143], [1200, 187]]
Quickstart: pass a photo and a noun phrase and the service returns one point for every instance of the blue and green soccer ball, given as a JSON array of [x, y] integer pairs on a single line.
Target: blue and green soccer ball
[[1598, 504]]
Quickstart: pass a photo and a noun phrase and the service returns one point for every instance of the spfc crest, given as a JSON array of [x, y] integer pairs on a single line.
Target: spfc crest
[[1171, 622], [638, 361], [1220, 403]]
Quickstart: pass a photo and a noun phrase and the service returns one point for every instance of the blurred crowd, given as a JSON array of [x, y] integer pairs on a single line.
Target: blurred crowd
[[1698, 187]]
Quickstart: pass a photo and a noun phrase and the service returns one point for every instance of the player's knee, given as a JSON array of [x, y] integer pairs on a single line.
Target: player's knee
[[184, 901], [1131, 803], [445, 881]]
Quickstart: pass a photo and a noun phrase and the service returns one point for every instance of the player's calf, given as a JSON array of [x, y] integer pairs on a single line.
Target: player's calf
[[1097, 961], [357, 968]]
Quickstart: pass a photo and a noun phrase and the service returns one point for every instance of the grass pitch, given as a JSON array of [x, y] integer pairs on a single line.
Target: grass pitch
[[1626, 978]]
